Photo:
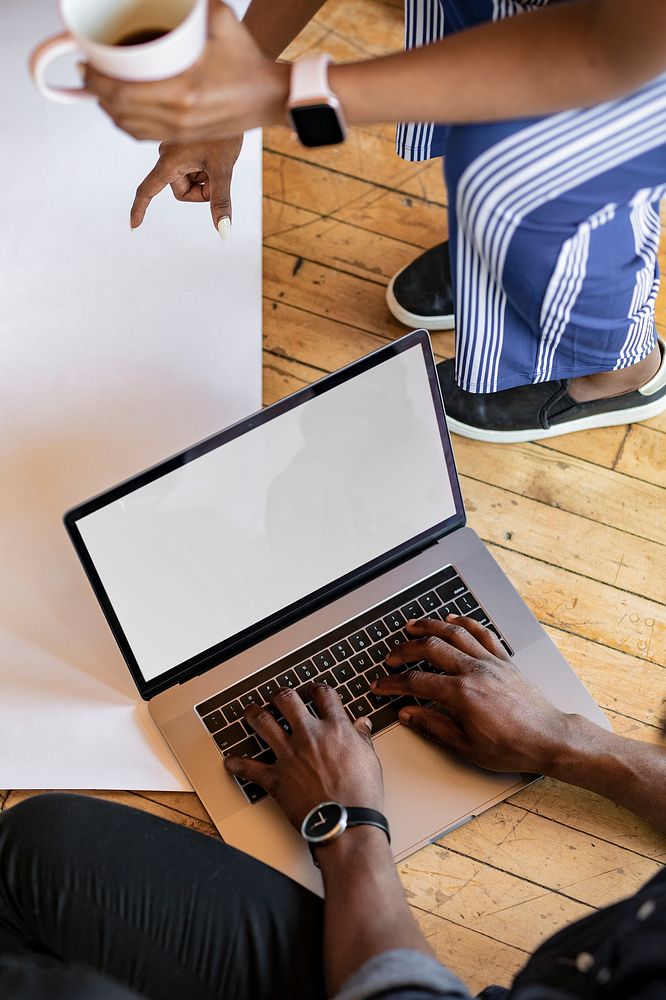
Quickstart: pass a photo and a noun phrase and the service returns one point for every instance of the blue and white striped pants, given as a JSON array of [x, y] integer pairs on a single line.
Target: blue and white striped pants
[[554, 225]]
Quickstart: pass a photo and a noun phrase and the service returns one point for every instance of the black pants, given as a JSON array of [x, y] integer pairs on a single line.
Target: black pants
[[167, 911]]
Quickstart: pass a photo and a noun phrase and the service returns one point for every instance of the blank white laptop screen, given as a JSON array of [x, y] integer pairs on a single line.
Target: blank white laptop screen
[[273, 515]]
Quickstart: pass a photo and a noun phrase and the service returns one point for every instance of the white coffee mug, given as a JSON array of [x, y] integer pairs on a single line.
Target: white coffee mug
[[135, 40]]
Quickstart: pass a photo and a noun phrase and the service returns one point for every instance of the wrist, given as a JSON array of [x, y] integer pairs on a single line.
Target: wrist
[[367, 845], [581, 750], [275, 93]]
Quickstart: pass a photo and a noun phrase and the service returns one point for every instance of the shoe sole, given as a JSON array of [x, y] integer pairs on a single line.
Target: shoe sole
[[413, 320], [632, 415]]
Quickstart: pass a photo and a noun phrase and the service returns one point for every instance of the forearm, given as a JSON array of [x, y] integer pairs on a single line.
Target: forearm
[[629, 772], [275, 23], [366, 911], [538, 63]]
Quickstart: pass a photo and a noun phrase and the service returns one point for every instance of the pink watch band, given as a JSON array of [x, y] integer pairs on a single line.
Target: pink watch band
[[309, 78]]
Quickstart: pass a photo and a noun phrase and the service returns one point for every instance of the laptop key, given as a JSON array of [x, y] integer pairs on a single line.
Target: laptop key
[[250, 698], [288, 679], [480, 616], [412, 610], [343, 672], [507, 647], [397, 639], [268, 689], [282, 722], [379, 652], [430, 601], [232, 711], [359, 708], [306, 671], [377, 630], [359, 640], [361, 662], [214, 721], [395, 621], [375, 673], [328, 678], [448, 609], [383, 717], [230, 736], [255, 793], [266, 757], [466, 603], [344, 694], [249, 747], [323, 661], [341, 650], [377, 700], [452, 589], [358, 686]]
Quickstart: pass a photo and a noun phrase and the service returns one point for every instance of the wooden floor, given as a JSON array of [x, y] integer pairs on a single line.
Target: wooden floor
[[576, 523]]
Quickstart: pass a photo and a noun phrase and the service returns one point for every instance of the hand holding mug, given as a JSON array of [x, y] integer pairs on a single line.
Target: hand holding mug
[[137, 40], [231, 88]]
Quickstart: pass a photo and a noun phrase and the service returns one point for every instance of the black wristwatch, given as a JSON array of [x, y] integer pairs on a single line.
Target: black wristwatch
[[329, 820]]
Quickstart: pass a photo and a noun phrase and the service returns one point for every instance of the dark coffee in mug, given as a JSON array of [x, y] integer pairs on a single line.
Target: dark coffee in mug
[[141, 35]]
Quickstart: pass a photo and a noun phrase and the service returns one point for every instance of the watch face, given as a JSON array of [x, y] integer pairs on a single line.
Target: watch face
[[324, 821], [317, 125]]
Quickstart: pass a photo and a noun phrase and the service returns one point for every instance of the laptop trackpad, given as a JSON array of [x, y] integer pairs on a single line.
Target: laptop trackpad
[[427, 789]]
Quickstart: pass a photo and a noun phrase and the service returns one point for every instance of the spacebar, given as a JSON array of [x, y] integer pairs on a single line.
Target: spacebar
[[384, 716]]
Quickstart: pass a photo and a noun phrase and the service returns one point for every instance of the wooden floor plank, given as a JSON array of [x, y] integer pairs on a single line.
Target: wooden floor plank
[[570, 484], [621, 683], [643, 455], [611, 617], [470, 893], [565, 539], [477, 959], [405, 217], [336, 244], [589, 813], [551, 854]]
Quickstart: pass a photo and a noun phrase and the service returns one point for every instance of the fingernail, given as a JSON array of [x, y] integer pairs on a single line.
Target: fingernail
[[451, 618], [405, 715], [224, 227], [412, 621], [81, 69]]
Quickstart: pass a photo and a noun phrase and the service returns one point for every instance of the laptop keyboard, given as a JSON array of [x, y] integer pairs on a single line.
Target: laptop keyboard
[[348, 659]]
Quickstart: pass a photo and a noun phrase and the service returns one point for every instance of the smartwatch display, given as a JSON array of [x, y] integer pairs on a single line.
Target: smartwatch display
[[313, 108]]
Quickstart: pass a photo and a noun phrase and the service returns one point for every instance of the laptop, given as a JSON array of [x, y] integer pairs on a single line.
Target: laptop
[[293, 546]]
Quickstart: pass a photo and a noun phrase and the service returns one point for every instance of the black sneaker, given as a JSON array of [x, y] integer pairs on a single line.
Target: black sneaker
[[420, 294], [544, 409]]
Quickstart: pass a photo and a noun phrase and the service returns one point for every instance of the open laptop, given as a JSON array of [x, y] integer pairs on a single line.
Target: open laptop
[[295, 545]]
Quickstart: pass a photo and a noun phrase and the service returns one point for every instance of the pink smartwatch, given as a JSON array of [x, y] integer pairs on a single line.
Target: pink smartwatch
[[313, 108]]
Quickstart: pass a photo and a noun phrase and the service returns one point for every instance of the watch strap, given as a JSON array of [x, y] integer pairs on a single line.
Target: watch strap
[[357, 816], [309, 78]]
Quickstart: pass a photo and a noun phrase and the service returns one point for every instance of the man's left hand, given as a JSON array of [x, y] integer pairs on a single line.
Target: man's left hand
[[324, 759]]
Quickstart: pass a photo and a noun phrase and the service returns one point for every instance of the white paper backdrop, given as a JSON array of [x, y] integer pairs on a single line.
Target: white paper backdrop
[[116, 349]]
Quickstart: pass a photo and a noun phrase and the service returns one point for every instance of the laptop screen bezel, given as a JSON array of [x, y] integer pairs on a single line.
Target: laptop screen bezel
[[235, 644]]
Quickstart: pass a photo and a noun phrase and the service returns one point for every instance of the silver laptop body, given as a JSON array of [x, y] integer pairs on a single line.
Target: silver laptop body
[[252, 546]]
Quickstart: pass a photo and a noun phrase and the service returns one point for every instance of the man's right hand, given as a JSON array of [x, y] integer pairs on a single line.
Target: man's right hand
[[493, 715], [197, 172]]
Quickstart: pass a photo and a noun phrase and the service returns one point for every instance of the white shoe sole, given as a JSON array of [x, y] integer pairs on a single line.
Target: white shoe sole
[[632, 415], [413, 320]]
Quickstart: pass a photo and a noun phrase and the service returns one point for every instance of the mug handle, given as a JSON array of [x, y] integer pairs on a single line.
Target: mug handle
[[41, 59]]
